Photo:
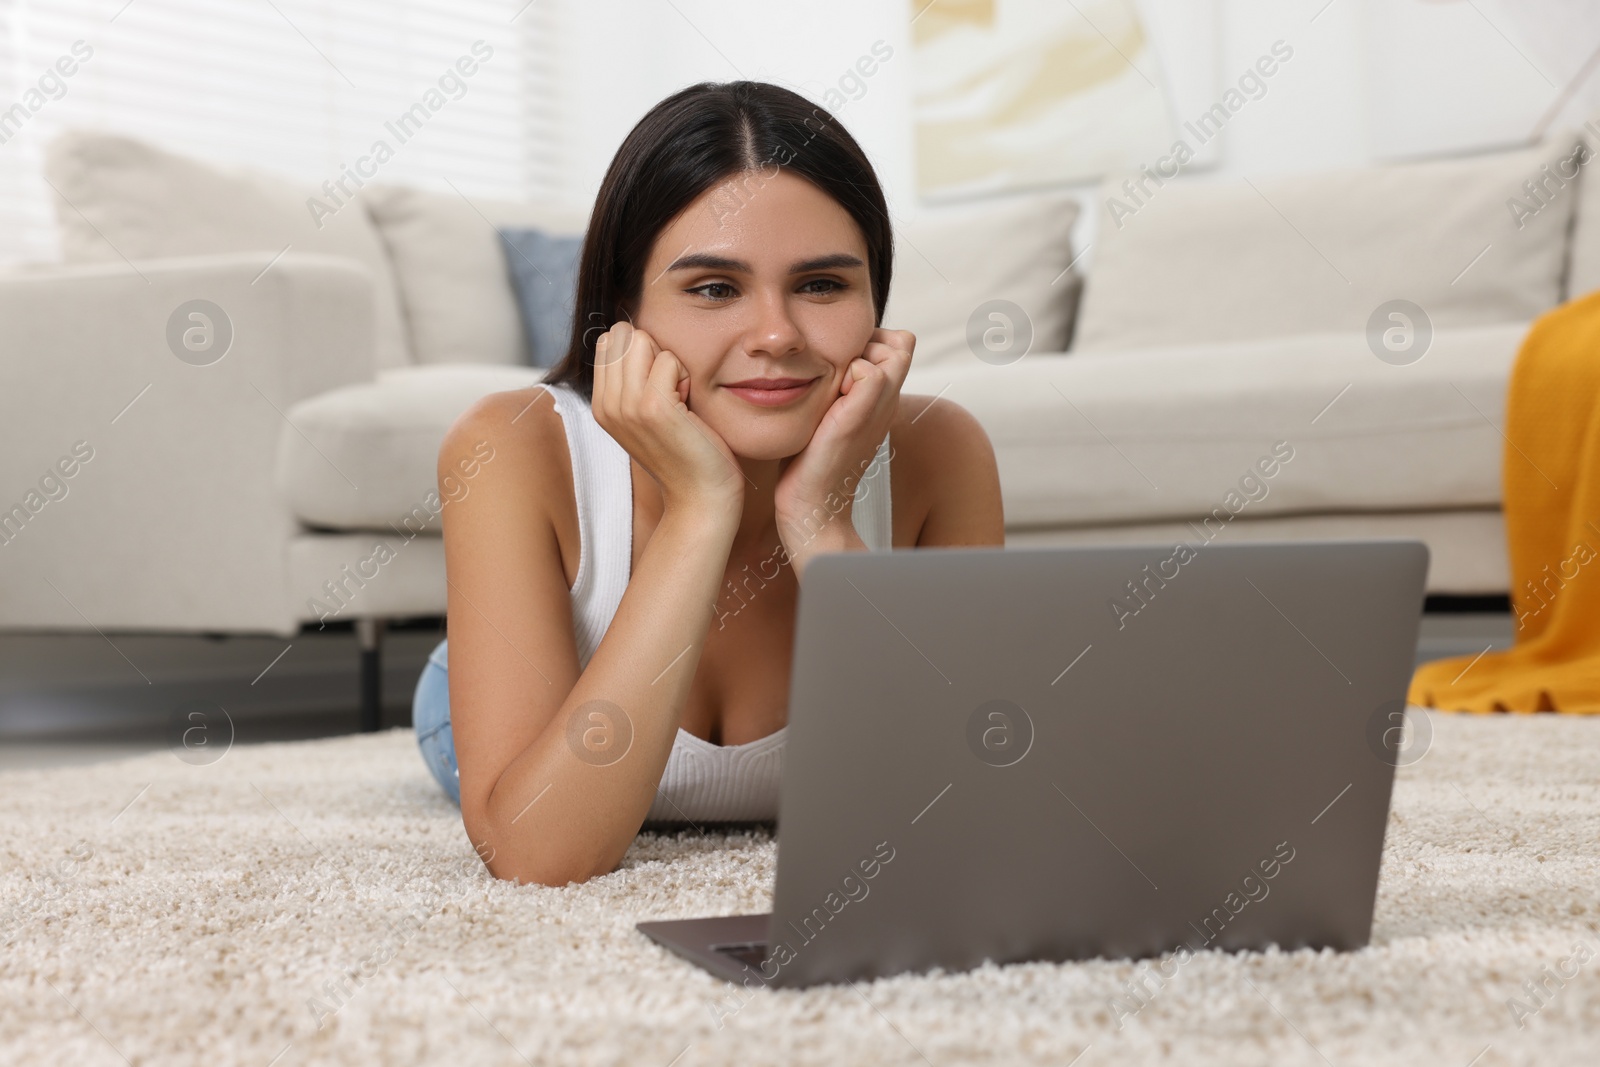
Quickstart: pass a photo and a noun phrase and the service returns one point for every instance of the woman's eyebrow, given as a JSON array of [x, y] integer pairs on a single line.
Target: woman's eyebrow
[[712, 261], [830, 262], [709, 261]]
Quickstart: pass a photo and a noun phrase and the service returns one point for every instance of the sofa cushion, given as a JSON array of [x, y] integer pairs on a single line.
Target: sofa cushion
[[1227, 260], [126, 198], [364, 456], [950, 262], [452, 273], [1123, 437], [1096, 437]]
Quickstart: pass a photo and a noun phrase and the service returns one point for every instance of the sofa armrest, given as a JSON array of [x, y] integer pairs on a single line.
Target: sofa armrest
[[313, 312], [169, 519]]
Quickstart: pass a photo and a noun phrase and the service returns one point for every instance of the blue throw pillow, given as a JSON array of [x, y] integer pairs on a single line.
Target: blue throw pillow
[[544, 272]]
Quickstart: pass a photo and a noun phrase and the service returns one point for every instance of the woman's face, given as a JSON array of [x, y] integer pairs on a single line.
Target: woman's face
[[762, 277]]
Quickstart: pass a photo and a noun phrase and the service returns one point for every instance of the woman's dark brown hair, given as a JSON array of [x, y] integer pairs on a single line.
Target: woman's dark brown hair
[[687, 144]]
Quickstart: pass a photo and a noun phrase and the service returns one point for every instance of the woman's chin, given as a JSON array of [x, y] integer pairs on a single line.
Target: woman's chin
[[766, 445]]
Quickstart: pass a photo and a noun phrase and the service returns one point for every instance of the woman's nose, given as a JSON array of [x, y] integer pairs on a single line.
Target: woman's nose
[[773, 330]]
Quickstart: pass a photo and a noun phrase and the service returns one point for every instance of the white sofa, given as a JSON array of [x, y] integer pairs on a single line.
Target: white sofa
[[250, 492]]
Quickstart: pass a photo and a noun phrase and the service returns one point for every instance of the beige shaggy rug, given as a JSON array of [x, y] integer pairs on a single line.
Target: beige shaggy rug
[[156, 912]]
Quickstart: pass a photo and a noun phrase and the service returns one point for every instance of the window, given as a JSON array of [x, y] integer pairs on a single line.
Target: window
[[300, 88]]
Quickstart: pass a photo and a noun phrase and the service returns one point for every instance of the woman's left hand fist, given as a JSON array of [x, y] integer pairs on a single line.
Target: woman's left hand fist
[[847, 439]]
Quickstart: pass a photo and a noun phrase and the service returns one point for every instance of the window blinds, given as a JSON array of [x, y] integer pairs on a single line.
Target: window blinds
[[300, 88]]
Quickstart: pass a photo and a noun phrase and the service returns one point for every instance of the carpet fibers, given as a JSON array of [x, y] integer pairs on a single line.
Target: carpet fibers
[[155, 912]]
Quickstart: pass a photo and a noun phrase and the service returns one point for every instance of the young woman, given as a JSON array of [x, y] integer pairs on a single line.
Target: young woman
[[623, 575]]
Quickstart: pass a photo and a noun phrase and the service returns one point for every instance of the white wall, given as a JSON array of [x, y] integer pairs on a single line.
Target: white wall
[[628, 54], [1370, 79]]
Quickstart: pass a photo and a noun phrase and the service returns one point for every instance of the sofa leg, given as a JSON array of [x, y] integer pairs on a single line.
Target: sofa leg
[[369, 635]]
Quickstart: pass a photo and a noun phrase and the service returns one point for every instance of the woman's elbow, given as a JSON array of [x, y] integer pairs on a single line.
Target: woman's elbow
[[546, 870], [552, 865]]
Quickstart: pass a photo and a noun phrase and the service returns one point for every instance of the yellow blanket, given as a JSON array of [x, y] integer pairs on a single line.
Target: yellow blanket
[[1551, 482]]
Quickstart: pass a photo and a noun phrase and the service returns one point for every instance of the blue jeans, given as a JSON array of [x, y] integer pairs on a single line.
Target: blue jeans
[[430, 717]]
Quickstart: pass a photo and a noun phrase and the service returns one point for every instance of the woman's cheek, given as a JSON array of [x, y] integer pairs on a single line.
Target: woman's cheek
[[695, 345], [840, 339]]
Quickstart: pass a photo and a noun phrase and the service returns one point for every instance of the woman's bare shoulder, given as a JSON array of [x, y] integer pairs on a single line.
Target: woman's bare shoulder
[[935, 429], [518, 434], [522, 425], [946, 482]]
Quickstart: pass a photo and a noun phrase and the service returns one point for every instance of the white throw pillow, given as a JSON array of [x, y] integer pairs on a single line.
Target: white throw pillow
[[949, 263], [451, 269], [128, 198], [1202, 261]]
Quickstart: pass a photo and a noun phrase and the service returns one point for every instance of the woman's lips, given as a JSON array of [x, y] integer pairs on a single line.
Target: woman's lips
[[768, 398]]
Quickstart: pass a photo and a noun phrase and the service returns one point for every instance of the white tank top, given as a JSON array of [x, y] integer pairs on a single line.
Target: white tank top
[[702, 782]]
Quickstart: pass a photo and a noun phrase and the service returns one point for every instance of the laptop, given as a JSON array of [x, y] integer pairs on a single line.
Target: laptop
[[1064, 753]]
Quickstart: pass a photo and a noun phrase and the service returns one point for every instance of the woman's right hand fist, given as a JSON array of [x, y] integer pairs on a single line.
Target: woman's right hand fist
[[641, 395]]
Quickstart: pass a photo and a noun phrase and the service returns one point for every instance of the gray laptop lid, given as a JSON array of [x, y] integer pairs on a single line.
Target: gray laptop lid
[[1051, 753]]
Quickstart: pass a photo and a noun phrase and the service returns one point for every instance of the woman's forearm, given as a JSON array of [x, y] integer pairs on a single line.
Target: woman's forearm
[[569, 805], [836, 537]]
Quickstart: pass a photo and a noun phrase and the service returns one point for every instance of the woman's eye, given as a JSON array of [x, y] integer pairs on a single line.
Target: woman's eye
[[822, 286], [714, 290]]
